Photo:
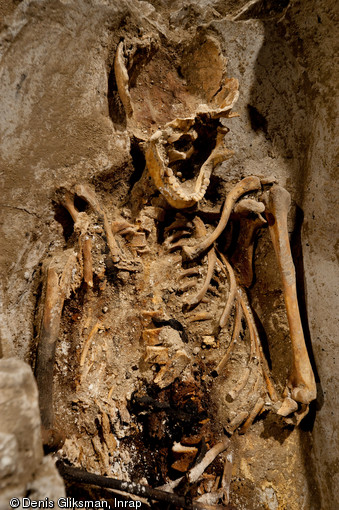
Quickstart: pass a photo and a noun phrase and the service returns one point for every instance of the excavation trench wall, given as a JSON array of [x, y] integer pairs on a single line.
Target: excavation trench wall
[[56, 129]]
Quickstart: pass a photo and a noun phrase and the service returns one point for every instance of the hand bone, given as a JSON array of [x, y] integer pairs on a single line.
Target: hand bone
[[301, 381]]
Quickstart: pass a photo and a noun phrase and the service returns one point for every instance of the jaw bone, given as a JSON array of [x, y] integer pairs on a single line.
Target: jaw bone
[[159, 155]]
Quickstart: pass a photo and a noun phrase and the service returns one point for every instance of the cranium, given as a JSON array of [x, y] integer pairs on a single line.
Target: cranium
[[182, 153]]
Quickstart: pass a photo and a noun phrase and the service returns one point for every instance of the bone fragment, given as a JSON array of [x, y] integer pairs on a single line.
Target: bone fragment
[[179, 223], [210, 270], [288, 406], [227, 476], [242, 257], [88, 263], [187, 286], [175, 237], [248, 206], [253, 414], [210, 498], [209, 341], [236, 422], [86, 193], [233, 288], [235, 335], [87, 343], [184, 456], [59, 283], [169, 372], [148, 315], [107, 433], [270, 179], [301, 381], [302, 413], [68, 203], [198, 470], [152, 336], [122, 79], [244, 186], [156, 354], [191, 271], [234, 392], [201, 316]]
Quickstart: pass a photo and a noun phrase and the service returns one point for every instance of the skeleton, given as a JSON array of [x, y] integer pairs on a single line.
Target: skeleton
[[210, 290]]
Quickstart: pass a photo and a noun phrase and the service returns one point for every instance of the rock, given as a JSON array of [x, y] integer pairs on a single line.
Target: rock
[[22, 465]]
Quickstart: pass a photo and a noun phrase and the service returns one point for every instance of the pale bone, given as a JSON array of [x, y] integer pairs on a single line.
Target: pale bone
[[68, 203], [255, 341], [156, 354], [81, 223], [194, 474], [198, 297], [302, 413], [288, 406], [247, 206], [174, 237], [58, 287], [123, 227], [157, 164], [201, 316], [169, 372], [234, 392], [191, 271], [247, 184], [122, 80], [232, 293], [152, 336], [174, 155], [107, 433], [201, 231], [184, 456], [85, 192], [87, 343], [178, 223], [187, 286], [301, 381], [235, 335], [253, 414], [227, 476], [237, 420], [210, 498]]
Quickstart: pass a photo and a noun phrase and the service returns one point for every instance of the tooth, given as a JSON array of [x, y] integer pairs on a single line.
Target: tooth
[[168, 172]]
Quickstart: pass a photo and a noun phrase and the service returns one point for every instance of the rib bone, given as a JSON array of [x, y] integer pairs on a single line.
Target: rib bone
[[301, 381]]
